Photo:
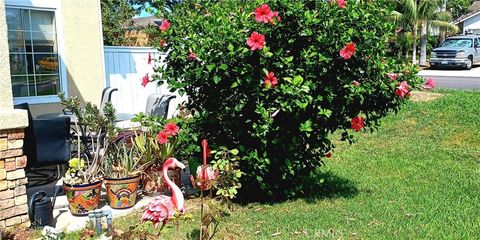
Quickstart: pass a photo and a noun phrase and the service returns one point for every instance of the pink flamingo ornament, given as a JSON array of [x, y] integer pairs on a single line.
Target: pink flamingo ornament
[[162, 208]]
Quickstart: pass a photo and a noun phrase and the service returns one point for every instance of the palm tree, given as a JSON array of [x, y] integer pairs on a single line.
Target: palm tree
[[415, 14]]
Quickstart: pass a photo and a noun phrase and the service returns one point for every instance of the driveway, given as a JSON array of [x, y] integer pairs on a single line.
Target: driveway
[[454, 78]]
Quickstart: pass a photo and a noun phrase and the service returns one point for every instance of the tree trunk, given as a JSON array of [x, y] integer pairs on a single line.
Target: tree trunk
[[423, 44], [442, 35], [414, 53], [443, 32]]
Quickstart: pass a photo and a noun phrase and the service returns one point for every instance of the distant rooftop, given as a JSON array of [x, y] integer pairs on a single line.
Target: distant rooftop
[[473, 10], [146, 21]]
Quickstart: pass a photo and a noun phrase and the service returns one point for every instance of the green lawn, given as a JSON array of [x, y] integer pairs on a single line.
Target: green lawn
[[417, 177]]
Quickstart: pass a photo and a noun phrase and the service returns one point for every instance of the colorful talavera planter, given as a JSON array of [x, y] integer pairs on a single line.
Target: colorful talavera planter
[[152, 180], [122, 193], [83, 198]]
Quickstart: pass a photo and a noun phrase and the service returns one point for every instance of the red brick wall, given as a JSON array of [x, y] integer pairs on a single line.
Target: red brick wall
[[13, 195]]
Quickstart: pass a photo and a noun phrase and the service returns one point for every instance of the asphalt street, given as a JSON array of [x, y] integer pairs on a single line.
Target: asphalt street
[[454, 78]]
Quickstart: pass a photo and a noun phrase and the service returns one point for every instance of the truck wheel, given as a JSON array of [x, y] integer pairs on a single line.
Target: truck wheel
[[469, 63]]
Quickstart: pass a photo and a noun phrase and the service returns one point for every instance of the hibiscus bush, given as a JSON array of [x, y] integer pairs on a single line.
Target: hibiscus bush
[[275, 78]]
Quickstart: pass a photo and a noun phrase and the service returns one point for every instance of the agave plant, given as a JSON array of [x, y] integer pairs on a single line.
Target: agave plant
[[122, 161]]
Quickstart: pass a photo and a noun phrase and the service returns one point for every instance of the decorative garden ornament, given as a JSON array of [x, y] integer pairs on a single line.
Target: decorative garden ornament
[[162, 207]]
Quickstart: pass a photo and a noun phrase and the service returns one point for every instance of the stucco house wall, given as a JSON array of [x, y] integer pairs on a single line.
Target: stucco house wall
[[13, 198], [82, 51]]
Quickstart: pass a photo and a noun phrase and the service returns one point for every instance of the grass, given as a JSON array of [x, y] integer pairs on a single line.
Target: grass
[[417, 177]]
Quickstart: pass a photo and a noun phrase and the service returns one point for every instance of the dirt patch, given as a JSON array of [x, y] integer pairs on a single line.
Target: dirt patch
[[423, 96], [18, 234]]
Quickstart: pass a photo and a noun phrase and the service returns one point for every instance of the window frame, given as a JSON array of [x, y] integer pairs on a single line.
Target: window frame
[[54, 6]]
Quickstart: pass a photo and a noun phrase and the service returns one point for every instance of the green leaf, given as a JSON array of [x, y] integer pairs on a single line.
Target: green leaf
[[210, 67], [217, 79], [297, 80], [306, 126], [265, 71], [325, 112], [234, 151], [230, 48], [223, 66]]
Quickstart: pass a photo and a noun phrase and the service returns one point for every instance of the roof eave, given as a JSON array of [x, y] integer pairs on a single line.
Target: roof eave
[[465, 18]]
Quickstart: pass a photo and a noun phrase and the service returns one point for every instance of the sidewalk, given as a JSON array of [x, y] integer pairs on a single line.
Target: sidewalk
[[456, 79]]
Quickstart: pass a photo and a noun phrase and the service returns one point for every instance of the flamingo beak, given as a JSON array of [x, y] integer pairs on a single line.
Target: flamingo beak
[[180, 165]]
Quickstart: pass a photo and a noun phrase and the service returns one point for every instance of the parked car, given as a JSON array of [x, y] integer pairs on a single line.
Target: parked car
[[459, 51]]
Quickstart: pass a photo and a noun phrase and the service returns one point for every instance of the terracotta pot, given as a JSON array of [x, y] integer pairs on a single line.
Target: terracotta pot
[[83, 198], [122, 193], [152, 181]]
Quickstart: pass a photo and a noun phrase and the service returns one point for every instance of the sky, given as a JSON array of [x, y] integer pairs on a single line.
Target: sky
[[142, 14]]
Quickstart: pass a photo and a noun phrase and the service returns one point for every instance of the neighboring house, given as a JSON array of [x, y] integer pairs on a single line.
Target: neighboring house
[[469, 22], [135, 29], [53, 46]]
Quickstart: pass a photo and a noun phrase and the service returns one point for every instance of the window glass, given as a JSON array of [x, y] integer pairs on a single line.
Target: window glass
[[458, 43], [42, 21], [18, 64], [43, 42], [16, 41], [46, 63], [14, 19], [32, 44]]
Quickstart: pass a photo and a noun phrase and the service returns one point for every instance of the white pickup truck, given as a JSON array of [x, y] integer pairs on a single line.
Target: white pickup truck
[[459, 51]]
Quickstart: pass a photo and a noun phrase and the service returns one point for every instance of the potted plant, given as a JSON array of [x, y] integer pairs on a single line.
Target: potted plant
[[158, 140], [122, 170], [156, 148], [92, 133]]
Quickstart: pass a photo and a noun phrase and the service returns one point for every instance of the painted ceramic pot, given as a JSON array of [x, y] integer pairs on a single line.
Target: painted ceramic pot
[[122, 193], [83, 198], [152, 180]]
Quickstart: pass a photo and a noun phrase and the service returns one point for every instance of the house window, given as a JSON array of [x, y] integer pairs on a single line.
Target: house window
[[34, 59]]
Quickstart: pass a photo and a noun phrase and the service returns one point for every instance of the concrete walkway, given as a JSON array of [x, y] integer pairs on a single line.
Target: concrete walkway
[[66, 222], [455, 78]]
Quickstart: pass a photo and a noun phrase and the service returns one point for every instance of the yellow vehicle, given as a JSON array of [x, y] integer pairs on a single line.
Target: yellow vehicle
[[48, 63]]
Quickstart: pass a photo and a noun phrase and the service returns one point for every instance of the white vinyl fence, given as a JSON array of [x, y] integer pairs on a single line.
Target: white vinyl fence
[[124, 68]]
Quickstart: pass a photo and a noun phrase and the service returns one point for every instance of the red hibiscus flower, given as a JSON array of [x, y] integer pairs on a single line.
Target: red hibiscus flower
[[341, 3], [256, 41], [403, 90], [162, 137], [171, 128], [392, 76], [429, 84], [145, 80], [191, 56], [270, 80], [149, 61], [275, 14], [357, 123], [355, 83], [165, 25], [162, 43], [349, 50], [263, 14]]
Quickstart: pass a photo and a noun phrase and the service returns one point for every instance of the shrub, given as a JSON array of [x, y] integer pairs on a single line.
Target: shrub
[[321, 69]]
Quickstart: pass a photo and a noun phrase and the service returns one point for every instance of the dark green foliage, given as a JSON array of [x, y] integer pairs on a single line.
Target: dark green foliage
[[116, 15], [458, 7], [283, 133]]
